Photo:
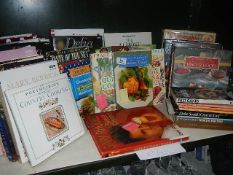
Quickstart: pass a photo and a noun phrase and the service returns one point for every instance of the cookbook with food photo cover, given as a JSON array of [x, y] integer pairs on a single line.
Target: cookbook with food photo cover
[[46, 116], [200, 67], [133, 79], [127, 130]]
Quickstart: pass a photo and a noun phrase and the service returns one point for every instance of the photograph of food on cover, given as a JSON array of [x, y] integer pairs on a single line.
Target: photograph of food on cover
[[54, 122], [146, 126], [134, 86]]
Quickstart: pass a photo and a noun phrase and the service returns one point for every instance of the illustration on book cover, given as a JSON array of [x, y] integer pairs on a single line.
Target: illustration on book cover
[[54, 122]]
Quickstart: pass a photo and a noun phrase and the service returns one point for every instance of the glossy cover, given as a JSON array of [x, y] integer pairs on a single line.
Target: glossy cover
[[103, 81], [133, 79], [128, 130]]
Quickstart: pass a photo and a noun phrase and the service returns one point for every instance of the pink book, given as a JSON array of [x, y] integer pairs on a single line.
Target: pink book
[[14, 54]]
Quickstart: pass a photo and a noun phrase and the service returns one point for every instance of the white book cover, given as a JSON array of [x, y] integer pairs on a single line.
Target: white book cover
[[127, 39], [46, 116], [77, 32], [15, 78]]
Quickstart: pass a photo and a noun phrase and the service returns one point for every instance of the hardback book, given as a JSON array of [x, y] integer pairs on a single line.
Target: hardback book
[[201, 95], [127, 130], [16, 38], [70, 38], [46, 116], [133, 79], [128, 39], [170, 45], [200, 67], [103, 81], [189, 35], [158, 76], [15, 78]]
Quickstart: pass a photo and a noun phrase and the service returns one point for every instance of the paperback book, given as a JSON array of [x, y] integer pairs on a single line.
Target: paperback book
[[16, 78], [71, 38], [55, 122], [133, 79], [76, 63], [103, 81], [128, 39], [127, 130], [158, 76]]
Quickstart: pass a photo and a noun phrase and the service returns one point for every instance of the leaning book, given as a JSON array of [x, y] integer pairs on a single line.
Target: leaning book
[[128, 130], [55, 122]]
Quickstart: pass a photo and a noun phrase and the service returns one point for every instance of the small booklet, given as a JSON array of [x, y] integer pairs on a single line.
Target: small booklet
[[46, 116]]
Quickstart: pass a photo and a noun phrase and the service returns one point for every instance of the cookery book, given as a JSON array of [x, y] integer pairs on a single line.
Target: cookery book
[[46, 116], [70, 38], [103, 81], [15, 78], [158, 76], [128, 39], [201, 95], [133, 79], [127, 130], [189, 35], [76, 63], [200, 67]]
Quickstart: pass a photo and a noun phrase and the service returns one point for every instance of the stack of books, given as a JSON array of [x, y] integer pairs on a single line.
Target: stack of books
[[199, 88]]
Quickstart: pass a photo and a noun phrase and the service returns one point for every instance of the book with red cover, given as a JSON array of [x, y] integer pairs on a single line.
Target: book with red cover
[[127, 130]]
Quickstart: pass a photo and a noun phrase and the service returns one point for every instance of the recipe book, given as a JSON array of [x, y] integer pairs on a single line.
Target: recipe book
[[46, 116], [127, 130]]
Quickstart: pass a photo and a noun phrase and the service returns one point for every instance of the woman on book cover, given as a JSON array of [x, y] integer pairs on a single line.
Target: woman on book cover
[[148, 126]]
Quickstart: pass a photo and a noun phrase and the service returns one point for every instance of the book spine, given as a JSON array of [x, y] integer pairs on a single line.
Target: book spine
[[206, 101], [203, 114], [6, 140], [204, 125], [208, 120]]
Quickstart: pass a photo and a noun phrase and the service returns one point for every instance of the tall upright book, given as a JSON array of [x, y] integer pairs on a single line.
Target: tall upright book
[[70, 38], [15, 78], [127, 130], [133, 79], [128, 39], [46, 116], [103, 81]]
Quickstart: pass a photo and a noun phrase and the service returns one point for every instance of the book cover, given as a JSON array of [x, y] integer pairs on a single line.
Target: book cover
[[133, 79], [15, 78], [127, 130], [201, 95], [201, 68], [128, 39], [103, 81], [169, 46], [55, 122], [71, 38], [189, 35], [158, 76], [76, 63]]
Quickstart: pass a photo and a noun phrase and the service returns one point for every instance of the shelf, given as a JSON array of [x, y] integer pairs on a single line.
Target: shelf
[[82, 155]]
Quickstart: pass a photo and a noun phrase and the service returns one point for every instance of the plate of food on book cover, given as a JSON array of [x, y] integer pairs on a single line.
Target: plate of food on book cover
[[133, 86]]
